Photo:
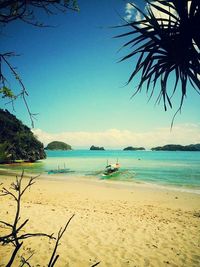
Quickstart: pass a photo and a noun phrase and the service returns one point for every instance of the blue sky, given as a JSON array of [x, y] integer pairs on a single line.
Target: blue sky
[[75, 83]]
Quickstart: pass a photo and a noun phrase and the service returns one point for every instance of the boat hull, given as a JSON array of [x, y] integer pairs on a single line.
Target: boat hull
[[110, 175]]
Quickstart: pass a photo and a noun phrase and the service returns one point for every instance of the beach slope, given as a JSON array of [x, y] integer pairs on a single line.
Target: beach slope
[[115, 224]]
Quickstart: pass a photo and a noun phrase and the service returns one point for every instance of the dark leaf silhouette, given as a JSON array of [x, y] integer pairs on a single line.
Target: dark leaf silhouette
[[167, 46]]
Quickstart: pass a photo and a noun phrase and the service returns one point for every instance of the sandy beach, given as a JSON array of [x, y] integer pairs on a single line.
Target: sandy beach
[[116, 224]]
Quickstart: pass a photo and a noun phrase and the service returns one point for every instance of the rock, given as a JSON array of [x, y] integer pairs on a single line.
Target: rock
[[133, 148], [96, 148]]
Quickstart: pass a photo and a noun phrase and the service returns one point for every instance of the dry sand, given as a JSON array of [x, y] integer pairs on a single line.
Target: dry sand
[[114, 223]]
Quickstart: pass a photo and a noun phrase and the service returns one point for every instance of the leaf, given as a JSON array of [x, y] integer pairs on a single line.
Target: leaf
[[164, 46], [7, 92]]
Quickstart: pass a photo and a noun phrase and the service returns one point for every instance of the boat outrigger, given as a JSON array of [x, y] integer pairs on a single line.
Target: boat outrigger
[[58, 170]]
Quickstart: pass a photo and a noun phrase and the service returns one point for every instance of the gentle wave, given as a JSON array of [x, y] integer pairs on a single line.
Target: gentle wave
[[175, 169]]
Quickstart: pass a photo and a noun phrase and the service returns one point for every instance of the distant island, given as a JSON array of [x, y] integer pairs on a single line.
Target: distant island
[[58, 145], [96, 148], [192, 147], [17, 142], [133, 148]]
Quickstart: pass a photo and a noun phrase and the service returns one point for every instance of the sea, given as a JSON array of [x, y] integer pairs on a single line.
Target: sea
[[179, 170]]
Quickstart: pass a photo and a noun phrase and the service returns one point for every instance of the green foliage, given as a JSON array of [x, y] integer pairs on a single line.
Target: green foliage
[[58, 145], [6, 92], [4, 154], [17, 141], [195, 147], [165, 47]]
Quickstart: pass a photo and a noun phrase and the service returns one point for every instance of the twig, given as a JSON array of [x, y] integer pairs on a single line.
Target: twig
[[7, 224], [95, 264], [14, 236], [54, 258], [25, 261], [24, 92]]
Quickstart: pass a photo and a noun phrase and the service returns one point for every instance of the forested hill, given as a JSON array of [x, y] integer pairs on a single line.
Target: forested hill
[[17, 142], [193, 147], [58, 145]]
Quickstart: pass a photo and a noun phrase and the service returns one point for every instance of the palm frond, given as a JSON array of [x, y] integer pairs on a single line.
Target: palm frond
[[165, 45]]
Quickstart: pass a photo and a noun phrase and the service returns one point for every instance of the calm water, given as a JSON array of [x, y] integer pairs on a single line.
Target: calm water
[[180, 169]]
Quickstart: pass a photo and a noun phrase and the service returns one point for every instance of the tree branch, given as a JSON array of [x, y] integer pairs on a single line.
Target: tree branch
[[54, 258], [25, 261], [14, 237], [8, 93], [7, 224], [5, 192]]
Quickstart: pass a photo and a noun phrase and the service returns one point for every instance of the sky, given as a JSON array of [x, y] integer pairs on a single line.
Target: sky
[[78, 88]]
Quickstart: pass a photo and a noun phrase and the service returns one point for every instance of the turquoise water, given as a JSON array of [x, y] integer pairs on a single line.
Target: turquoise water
[[175, 168]]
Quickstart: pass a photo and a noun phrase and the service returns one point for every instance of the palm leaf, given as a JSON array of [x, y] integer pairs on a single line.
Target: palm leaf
[[166, 46]]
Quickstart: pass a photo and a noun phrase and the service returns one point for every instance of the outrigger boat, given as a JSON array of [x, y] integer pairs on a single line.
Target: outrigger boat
[[58, 170], [111, 170]]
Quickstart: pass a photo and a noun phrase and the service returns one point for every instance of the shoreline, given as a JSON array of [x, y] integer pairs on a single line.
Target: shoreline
[[124, 183], [117, 224]]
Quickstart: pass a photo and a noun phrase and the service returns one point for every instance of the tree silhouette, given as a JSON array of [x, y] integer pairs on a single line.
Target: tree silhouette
[[27, 12], [164, 46], [16, 234]]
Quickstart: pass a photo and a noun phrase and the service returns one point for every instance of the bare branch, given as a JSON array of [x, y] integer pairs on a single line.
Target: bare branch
[[22, 225], [27, 235], [95, 264], [15, 237], [7, 224], [12, 236], [23, 92], [54, 258], [6, 192], [30, 183], [25, 10], [17, 247], [12, 10], [25, 261]]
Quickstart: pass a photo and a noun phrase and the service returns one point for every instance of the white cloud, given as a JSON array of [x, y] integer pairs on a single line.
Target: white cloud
[[133, 14], [159, 14], [138, 16], [129, 11], [114, 138]]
